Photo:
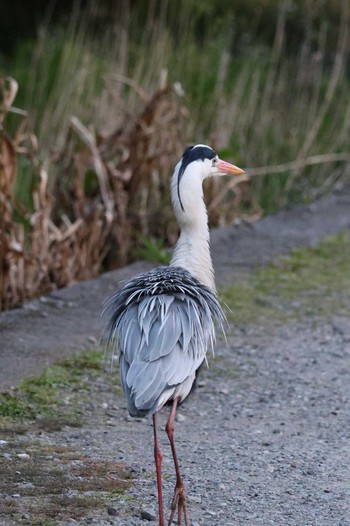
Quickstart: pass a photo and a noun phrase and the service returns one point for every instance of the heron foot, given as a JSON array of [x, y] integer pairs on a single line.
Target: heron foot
[[180, 503]]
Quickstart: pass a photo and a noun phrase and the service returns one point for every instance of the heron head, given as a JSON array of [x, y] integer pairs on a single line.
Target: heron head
[[204, 162], [207, 160]]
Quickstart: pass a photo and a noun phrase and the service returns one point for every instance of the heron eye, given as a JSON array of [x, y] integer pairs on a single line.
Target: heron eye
[[215, 160]]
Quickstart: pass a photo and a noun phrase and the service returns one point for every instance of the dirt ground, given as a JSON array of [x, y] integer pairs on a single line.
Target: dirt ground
[[263, 440]]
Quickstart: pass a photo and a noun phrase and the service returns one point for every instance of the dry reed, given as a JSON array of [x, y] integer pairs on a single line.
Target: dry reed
[[103, 186]]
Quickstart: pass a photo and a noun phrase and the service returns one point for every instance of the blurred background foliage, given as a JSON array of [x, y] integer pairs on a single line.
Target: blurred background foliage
[[109, 94], [252, 21]]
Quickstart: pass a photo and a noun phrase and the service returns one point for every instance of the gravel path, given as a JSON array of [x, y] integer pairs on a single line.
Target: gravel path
[[264, 439]]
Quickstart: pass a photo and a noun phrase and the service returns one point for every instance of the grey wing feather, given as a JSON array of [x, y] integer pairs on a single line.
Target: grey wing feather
[[180, 366], [147, 392], [157, 360], [162, 334]]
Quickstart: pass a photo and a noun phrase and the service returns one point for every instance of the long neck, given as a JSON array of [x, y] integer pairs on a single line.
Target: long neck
[[192, 250]]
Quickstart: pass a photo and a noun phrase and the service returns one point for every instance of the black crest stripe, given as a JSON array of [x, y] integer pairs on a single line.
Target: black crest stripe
[[193, 153]]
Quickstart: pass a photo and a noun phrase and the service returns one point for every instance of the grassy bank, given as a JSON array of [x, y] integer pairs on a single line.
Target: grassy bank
[[311, 283]]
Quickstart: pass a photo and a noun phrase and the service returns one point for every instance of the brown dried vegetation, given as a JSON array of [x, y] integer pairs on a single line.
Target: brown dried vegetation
[[96, 201]]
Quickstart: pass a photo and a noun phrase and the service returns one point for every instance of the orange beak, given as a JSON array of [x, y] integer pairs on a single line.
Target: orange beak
[[228, 168]]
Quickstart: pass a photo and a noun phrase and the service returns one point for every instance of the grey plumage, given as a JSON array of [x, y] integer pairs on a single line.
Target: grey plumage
[[162, 322]]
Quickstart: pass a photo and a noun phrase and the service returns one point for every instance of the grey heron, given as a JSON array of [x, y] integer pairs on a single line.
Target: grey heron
[[163, 321]]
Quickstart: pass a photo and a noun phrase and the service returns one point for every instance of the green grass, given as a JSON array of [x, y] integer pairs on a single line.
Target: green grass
[[153, 250], [310, 283], [40, 399], [258, 106]]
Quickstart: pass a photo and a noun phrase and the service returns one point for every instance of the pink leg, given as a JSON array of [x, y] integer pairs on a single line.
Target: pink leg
[[158, 456], [179, 499]]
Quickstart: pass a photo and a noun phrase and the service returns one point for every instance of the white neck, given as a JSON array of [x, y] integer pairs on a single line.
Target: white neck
[[192, 250]]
